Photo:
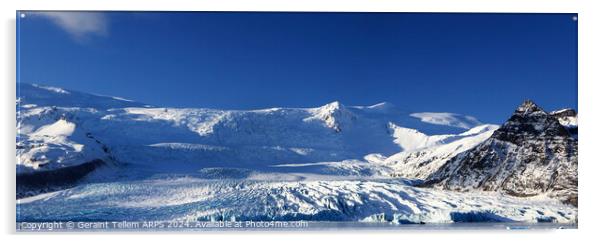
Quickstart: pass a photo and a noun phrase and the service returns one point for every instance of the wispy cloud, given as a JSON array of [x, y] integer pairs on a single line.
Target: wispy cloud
[[80, 25]]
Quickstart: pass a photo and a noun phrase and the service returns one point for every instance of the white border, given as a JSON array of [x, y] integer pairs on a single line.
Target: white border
[[590, 171]]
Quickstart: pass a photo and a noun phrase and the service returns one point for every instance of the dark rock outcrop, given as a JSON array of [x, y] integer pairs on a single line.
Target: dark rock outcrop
[[31, 184]]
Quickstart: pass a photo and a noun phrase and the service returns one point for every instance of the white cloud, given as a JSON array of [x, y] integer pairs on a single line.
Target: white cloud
[[79, 25]]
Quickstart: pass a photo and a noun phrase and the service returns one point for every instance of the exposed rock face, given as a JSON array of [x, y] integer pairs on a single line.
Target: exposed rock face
[[531, 154], [567, 118]]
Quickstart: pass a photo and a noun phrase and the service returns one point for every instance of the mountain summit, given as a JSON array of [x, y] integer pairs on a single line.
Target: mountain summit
[[335, 115], [527, 107]]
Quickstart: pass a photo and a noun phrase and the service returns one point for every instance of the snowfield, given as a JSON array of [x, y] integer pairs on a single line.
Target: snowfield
[[329, 163]]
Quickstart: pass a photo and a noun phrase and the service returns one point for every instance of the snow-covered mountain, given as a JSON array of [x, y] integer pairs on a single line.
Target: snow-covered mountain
[[60, 128], [532, 153], [332, 162]]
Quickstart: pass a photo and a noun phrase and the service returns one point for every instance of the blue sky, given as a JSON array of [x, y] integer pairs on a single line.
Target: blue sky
[[478, 64]]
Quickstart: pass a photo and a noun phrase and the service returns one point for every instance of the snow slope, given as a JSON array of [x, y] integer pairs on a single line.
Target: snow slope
[[39, 95], [447, 119], [421, 163]]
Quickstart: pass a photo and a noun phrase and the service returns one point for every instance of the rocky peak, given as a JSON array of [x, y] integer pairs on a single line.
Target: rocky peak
[[529, 122], [528, 107]]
